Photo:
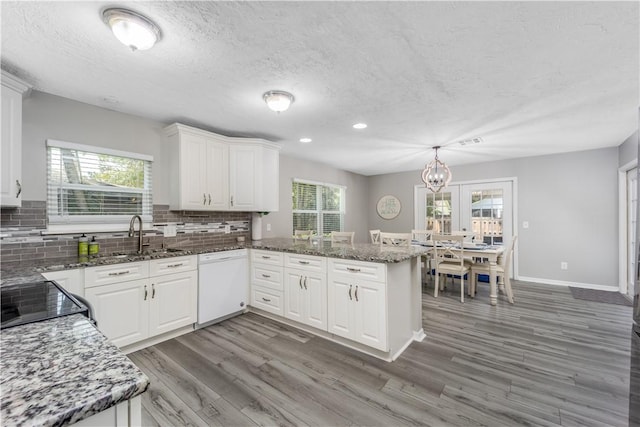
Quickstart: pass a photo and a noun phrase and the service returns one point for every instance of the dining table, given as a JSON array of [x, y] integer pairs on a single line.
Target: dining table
[[490, 253]]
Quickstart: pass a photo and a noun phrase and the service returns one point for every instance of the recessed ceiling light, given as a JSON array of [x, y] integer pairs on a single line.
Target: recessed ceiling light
[[360, 126], [131, 28], [305, 140]]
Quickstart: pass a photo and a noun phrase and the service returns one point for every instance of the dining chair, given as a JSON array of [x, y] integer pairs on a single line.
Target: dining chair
[[303, 234], [422, 237], [375, 236], [395, 239], [448, 257], [342, 237], [503, 270]]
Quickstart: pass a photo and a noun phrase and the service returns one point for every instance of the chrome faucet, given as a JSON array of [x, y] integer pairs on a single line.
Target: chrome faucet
[[132, 231]]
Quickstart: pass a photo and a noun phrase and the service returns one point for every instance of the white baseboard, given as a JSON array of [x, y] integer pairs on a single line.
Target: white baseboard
[[573, 284]]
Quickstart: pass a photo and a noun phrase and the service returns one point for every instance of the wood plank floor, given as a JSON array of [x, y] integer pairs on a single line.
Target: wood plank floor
[[548, 360]]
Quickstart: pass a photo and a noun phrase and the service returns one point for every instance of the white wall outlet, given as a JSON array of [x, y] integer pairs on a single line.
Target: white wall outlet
[[525, 224], [268, 227], [227, 229], [564, 265]]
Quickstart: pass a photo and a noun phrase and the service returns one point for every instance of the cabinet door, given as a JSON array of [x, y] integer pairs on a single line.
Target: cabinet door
[[242, 177], [371, 314], [340, 313], [315, 300], [122, 310], [217, 172], [71, 280], [11, 148], [193, 172], [174, 301], [294, 295]]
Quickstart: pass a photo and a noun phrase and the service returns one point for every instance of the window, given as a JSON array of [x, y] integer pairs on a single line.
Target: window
[[95, 186], [318, 207]]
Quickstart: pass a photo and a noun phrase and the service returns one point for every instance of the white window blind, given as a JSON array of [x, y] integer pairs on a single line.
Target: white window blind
[[317, 206], [92, 185]]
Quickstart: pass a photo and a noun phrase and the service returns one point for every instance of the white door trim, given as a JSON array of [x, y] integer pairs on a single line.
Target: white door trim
[[622, 224]]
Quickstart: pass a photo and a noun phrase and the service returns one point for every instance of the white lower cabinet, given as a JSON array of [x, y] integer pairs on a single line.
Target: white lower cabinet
[[174, 299], [122, 310], [71, 280], [357, 308], [305, 291], [267, 286], [133, 310]]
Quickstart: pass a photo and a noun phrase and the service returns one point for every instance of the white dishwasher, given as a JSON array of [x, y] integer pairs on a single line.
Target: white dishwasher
[[223, 285]]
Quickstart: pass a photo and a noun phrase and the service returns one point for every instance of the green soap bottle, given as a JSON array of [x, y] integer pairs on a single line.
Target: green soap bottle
[[94, 247], [83, 245]]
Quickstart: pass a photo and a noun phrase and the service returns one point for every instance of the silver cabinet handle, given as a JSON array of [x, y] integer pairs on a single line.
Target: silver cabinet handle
[[209, 198], [231, 200], [204, 199], [303, 262], [350, 286], [145, 292], [119, 273], [266, 299], [305, 282], [266, 276], [174, 265], [153, 291], [356, 292], [19, 188], [355, 270], [300, 282]]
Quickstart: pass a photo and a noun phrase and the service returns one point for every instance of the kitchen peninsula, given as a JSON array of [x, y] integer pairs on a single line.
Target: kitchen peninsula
[[364, 296]]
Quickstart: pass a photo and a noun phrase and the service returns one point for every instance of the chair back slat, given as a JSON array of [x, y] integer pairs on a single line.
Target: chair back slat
[[375, 236], [395, 239], [342, 236]]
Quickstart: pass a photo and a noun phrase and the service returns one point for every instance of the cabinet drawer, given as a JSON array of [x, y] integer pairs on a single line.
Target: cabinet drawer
[[159, 267], [267, 300], [358, 269], [267, 257], [268, 276], [305, 262], [107, 274]]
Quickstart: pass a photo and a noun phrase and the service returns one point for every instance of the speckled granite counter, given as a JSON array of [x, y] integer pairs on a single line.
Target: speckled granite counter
[[359, 251], [61, 371], [30, 272]]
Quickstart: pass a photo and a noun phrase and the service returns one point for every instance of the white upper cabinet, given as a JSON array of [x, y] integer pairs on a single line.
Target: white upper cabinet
[[13, 90], [215, 172]]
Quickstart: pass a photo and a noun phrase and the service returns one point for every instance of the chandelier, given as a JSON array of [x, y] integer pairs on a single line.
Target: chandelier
[[436, 175]]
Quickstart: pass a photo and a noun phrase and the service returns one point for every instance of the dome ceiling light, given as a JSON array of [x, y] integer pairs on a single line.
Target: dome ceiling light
[[278, 100], [132, 29]]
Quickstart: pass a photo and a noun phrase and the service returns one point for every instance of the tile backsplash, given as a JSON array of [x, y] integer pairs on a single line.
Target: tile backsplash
[[21, 237]]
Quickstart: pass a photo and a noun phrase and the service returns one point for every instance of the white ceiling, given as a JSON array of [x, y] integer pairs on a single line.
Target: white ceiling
[[529, 78]]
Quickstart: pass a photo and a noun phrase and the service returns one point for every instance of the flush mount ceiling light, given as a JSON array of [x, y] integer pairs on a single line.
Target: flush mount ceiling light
[[131, 28], [436, 175], [305, 140], [360, 126], [278, 100]]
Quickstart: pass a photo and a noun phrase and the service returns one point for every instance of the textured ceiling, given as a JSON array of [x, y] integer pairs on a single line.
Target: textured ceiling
[[529, 78]]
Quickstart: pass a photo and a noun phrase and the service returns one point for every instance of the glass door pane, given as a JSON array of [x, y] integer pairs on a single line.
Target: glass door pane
[[487, 211], [438, 211]]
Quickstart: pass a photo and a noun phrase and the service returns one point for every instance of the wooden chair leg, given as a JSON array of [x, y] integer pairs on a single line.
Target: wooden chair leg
[[437, 285], [508, 289], [462, 288]]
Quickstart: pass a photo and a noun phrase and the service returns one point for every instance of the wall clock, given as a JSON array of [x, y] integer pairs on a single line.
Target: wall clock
[[388, 207]]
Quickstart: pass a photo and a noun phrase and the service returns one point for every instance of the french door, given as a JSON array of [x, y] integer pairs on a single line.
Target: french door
[[484, 209], [632, 205]]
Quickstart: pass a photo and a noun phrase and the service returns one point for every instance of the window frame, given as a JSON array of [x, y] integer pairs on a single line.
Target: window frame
[[319, 212], [58, 224]]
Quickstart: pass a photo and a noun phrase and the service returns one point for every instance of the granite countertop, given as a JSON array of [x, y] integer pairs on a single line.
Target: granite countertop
[[358, 251], [60, 371]]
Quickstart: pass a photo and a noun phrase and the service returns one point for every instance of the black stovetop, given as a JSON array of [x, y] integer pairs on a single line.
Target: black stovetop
[[34, 302]]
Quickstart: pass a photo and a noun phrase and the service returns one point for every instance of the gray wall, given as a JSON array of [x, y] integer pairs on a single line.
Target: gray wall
[[356, 196], [570, 201], [48, 116], [628, 150]]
